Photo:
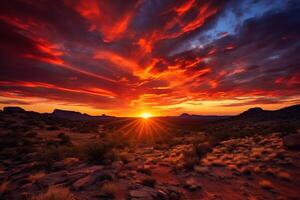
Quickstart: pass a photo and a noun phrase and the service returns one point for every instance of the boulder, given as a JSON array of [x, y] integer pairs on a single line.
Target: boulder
[[145, 193], [83, 182], [292, 141], [192, 185]]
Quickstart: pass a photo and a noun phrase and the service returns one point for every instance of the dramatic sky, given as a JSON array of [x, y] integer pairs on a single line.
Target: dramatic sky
[[126, 57]]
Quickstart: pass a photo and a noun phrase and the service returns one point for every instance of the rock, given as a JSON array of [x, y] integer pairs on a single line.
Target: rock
[[292, 141], [70, 161], [102, 175], [123, 174], [191, 184], [162, 195], [83, 182], [58, 166], [201, 170], [144, 193], [72, 177], [265, 184]]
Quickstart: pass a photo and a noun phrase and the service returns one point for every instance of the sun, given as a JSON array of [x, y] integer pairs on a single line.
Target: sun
[[146, 115]]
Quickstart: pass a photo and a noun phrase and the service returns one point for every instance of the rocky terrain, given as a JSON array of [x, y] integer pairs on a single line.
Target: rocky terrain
[[49, 159]]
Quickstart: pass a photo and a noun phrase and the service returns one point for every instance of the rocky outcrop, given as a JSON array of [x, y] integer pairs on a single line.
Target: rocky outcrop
[[12, 109]]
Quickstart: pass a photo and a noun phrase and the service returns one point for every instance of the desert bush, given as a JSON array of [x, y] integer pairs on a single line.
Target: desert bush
[[265, 184], [33, 178], [201, 149], [48, 156], [64, 139], [148, 181], [145, 171], [55, 193], [190, 159], [52, 128], [123, 156], [109, 189], [98, 152]]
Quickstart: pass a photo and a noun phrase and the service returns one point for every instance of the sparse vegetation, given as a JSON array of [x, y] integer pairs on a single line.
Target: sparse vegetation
[[64, 139], [55, 193], [109, 189], [48, 156], [98, 152], [265, 184], [148, 181]]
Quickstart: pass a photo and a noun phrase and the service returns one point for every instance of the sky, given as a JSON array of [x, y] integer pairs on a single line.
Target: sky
[[163, 57]]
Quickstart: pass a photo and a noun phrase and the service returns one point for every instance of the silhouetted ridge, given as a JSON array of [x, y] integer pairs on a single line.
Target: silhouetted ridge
[[291, 112], [13, 109], [202, 117], [73, 115]]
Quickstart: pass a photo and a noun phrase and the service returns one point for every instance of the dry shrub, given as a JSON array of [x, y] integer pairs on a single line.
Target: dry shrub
[[98, 152], [148, 181], [109, 189], [145, 171], [48, 156], [123, 156], [70, 161], [202, 149], [35, 177], [284, 176], [265, 184], [190, 159], [201, 170], [55, 193]]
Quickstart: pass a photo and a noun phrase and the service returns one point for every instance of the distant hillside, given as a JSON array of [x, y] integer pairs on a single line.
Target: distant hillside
[[72, 115], [258, 114], [203, 117]]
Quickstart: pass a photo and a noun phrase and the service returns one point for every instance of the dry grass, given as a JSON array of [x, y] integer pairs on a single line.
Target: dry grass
[[110, 189], [3, 187], [201, 170], [265, 184], [55, 193], [284, 176], [35, 177], [70, 161]]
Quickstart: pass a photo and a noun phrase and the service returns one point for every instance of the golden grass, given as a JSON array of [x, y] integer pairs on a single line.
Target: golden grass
[[70, 161], [55, 193], [284, 176], [109, 189], [35, 177], [265, 184]]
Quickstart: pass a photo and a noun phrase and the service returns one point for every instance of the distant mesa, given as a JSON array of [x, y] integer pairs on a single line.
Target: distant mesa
[[202, 117], [13, 109], [291, 112], [185, 115], [73, 115], [66, 114]]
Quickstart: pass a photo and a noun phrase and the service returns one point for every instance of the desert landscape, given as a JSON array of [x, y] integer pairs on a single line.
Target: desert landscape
[[150, 100], [254, 155]]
